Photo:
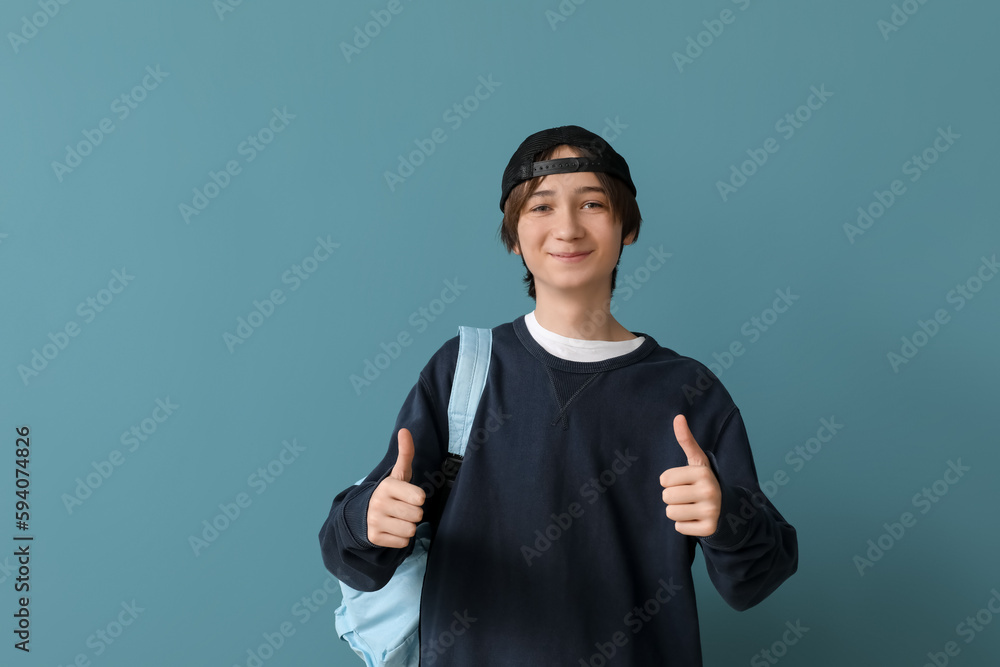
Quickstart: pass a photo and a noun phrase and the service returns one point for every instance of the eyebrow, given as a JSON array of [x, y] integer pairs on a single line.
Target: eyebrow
[[580, 190]]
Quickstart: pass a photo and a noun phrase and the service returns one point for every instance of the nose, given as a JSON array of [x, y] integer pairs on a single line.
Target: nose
[[567, 224]]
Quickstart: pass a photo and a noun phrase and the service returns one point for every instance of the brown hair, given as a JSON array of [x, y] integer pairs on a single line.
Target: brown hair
[[623, 206]]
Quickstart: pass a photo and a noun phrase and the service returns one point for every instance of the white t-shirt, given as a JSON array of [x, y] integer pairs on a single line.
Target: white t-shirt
[[578, 349]]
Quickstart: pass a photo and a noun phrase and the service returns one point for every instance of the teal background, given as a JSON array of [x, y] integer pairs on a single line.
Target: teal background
[[323, 176]]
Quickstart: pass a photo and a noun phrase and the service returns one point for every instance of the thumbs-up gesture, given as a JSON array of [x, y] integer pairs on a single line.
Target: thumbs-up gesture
[[692, 493], [396, 506]]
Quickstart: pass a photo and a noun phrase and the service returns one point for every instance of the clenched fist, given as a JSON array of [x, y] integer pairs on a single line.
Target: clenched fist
[[691, 492], [396, 506]]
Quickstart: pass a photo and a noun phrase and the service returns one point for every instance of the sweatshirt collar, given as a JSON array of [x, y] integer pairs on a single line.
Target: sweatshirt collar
[[551, 360]]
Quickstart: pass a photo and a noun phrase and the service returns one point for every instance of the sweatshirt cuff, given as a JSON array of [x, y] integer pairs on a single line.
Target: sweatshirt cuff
[[733, 528], [356, 517]]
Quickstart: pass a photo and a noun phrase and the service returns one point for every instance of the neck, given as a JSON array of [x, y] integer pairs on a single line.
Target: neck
[[583, 318]]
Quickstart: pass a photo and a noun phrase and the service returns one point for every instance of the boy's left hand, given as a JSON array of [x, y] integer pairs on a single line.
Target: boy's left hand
[[691, 492]]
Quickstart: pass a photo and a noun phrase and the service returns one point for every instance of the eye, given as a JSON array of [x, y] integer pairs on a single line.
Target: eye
[[539, 208], [595, 203]]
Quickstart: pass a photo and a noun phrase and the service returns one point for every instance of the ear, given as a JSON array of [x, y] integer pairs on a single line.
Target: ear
[[630, 239]]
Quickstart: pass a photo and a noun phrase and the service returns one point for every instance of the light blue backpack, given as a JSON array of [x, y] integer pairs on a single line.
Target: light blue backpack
[[383, 626]]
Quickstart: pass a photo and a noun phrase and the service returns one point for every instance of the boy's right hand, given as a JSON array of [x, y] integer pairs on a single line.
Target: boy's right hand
[[396, 506]]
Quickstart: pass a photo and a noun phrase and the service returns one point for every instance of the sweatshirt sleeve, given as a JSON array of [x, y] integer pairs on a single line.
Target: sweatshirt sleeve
[[753, 549], [347, 553]]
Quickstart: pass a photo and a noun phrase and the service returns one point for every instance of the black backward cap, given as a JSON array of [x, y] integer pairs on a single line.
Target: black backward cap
[[522, 166]]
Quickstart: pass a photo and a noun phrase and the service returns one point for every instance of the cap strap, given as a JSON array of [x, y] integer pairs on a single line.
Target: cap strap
[[568, 165]]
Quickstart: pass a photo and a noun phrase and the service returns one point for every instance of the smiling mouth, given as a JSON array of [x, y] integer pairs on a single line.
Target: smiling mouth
[[569, 255]]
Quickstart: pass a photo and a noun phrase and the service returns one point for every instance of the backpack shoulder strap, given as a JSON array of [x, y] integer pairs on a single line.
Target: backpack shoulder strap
[[474, 348]]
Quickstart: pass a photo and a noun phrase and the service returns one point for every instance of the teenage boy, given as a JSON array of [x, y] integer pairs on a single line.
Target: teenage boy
[[599, 460]]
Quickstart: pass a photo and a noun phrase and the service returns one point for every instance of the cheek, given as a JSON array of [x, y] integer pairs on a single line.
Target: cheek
[[526, 238], [611, 241]]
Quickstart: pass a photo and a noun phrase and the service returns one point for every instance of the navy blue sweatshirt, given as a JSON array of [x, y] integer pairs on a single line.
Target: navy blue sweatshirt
[[553, 547]]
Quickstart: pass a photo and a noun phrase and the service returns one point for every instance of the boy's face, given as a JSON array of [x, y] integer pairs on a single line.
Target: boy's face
[[569, 214]]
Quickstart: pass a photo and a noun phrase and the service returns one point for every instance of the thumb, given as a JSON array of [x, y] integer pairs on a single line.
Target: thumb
[[694, 453], [403, 470]]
